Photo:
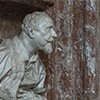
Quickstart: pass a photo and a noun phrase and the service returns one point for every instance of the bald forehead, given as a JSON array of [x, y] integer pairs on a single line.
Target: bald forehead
[[36, 16], [45, 19], [37, 19], [40, 20]]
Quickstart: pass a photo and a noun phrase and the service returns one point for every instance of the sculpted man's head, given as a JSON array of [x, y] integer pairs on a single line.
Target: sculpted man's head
[[39, 27]]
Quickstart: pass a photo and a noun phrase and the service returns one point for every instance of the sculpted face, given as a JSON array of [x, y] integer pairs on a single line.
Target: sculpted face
[[39, 30], [45, 35]]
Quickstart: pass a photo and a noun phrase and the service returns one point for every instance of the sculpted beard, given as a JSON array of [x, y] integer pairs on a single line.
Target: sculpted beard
[[48, 48]]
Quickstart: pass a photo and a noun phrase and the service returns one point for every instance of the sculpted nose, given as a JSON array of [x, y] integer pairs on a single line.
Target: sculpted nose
[[53, 33]]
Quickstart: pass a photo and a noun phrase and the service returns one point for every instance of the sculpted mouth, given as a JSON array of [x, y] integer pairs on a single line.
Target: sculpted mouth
[[49, 41]]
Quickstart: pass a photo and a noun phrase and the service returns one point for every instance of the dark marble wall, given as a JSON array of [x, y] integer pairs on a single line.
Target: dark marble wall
[[90, 75], [74, 68], [98, 48], [66, 65]]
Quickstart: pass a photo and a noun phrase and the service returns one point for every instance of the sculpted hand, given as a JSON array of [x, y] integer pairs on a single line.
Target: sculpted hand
[[25, 95], [29, 95]]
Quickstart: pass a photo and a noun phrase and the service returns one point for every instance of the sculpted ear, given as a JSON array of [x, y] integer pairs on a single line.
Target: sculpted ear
[[31, 33]]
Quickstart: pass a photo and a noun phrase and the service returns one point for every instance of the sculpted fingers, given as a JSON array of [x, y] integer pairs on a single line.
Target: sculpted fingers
[[22, 95], [21, 91]]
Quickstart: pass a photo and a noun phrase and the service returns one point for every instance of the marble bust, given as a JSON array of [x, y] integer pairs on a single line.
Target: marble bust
[[22, 74]]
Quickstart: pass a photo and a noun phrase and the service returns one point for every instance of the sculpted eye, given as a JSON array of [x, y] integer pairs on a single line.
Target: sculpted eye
[[31, 30], [49, 28]]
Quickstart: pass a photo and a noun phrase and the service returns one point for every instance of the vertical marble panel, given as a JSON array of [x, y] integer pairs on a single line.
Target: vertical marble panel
[[66, 60], [98, 49], [77, 40], [90, 76]]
